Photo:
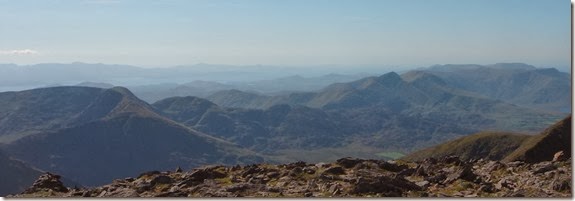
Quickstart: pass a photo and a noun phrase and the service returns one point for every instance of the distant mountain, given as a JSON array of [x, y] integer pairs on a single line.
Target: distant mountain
[[279, 86], [296, 83], [390, 94], [153, 93], [93, 135], [384, 113], [521, 84], [239, 99], [19, 77], [278, 127], [95, 84], [506, 147]]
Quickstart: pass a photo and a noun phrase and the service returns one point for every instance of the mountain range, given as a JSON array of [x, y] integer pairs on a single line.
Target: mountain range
[[517, 83], [93, 135], [95, 132]]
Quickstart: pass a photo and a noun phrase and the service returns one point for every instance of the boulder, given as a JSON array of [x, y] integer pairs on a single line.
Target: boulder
[[387, 186], [336, 170], [47, 182], [161, 179], [392, 167], [559, 156], [348, 162], [465, 173]]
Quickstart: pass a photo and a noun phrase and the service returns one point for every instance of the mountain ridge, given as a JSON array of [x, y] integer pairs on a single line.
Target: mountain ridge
[[114, 125]]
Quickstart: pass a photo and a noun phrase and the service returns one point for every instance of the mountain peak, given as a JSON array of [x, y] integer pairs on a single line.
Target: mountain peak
[[122, 90], [422, 76], [390, 75]]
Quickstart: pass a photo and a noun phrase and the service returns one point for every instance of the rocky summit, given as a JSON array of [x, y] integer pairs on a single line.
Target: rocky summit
[[447, 176]]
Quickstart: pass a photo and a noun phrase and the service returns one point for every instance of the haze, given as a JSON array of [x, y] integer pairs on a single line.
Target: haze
[[164, 33]]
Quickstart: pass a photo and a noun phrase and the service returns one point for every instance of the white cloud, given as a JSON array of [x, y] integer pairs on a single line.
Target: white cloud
[[18, 52]]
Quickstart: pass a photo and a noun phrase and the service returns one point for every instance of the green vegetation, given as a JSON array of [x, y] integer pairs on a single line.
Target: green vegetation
[[543, 146], [491, 145], [505, 146]]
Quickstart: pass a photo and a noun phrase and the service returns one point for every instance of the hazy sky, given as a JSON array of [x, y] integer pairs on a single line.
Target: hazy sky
[[285, 32]]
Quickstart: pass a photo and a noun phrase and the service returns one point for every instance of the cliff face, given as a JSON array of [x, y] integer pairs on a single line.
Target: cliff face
[[347, 177]]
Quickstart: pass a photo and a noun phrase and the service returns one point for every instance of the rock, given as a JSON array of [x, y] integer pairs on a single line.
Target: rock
[[348, 162], [238, 187], [450, 160], [392, 167], [543, 167], [515, 163], [504, 183], [438, 178], [172, 194], [406, 172], [47, 182], [493, 166], [336, 170], [236, 168], [162, 179], [388, 187], [178, 169], [142, 187], [102, 194], [189, 183], [465, 173], [295, 171], [251, 170], [519, 193], [322, 165], [273, 189], [273, 174], [147, 174], [423, 184], [561, 185], [559, 156], [334, 188], [300, 164], [420, 171], [207, 173], [430, 161], [487, 187], [347, 177], [309, 170]]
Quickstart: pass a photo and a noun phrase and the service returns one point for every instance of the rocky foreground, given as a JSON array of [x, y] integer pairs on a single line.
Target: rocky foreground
[[347, 177]]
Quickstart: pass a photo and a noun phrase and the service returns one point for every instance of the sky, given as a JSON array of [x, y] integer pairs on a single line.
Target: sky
[[159, 33]]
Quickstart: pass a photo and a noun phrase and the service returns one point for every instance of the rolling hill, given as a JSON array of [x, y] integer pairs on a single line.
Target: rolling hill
[[272, 129], [108, 133], [505, 147]]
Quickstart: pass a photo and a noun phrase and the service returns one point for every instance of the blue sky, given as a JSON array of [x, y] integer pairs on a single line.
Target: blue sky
[[286, 32]]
